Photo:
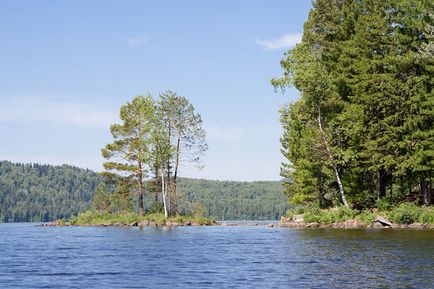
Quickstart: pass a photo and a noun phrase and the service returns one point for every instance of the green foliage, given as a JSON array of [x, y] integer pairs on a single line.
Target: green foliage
[[426, 215], [101, 198], [366, 217], [366, 113], [329, 216], [230, 200], [42, 193], [408, 213], [94, 218], [45, 193], [384, 204]]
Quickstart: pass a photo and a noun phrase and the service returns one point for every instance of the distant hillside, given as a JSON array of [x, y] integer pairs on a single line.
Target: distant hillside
[[230, 200], [33, 192]]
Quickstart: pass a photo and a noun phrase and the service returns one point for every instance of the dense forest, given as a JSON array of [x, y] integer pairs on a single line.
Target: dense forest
[[362, 133], [230, 200], [33, 192]]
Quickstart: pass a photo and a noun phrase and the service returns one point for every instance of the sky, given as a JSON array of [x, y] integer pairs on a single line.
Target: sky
[[66, 68]]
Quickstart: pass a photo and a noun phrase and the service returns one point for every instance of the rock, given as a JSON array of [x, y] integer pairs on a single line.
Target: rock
[[292, 225], [323, 226], [338, 225], [223, 224], [134, 224], [284, 219], [187, 223], [383, 221], [143, 224], [195, 224], [415, 226], [353, 224], [270, 226], [376, 225], [312, 225], [152, 224], [172, 224], [298, 218]]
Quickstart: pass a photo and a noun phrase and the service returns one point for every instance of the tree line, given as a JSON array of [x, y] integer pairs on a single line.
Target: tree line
[[35, 192], [42, 193], [362, 131]]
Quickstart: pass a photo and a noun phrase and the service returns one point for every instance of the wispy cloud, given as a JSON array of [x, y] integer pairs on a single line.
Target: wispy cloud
[[137, 40], [285, 41], [37, 110]]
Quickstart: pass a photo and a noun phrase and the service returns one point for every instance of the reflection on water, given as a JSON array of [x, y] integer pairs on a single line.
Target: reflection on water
[[186, 257]]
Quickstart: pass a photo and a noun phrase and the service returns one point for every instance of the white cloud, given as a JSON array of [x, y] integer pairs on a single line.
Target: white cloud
[[285, 41], [38, 110], [138, 40]]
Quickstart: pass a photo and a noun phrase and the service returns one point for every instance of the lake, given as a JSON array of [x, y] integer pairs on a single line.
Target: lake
[[217, 257]]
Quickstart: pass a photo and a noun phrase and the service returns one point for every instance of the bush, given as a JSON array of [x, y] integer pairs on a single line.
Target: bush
[[384, 204], [426, 215], [406, 213], [311, 217], [366, 217], [344, 214]]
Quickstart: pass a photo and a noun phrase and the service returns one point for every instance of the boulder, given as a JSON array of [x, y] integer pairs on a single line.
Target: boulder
[[187, 223], [312, 225], [292, 225], [134, 224], [383, 221], [298, 218], [195, 224], [353, 224], [284, 219], [338, 225], [377, 225], [143, 224], [415, 226]]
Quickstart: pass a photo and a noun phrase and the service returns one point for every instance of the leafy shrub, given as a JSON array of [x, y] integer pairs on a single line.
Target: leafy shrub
[[426, 215], [384, 204], [366, 217], [311, 217], [405, 213], [343, 214]]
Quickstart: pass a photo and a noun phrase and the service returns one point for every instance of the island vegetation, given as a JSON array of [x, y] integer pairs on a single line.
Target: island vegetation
[[360, 141]]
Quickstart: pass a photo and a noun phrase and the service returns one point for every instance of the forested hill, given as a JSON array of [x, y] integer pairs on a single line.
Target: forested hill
[[230, 200], [33, 192]]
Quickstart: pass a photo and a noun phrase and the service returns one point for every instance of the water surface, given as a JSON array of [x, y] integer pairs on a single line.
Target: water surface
[[218, 257]]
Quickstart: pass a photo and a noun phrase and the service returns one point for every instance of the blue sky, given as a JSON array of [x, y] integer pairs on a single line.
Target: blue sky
[[66, 67]]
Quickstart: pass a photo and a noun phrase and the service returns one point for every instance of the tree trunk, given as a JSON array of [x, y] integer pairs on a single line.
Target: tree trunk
[[175, 175], [382, 183], [335, 168], [163, 193], [425, 190], [140, 196]]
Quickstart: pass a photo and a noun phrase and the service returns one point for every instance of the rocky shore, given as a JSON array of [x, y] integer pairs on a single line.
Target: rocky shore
[[297, 222]]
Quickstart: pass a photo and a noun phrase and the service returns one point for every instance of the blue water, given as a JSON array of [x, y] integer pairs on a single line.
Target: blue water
[[213, 257]]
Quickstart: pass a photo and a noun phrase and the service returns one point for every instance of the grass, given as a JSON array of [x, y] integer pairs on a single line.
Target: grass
[[405, 213], [94, 218]]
